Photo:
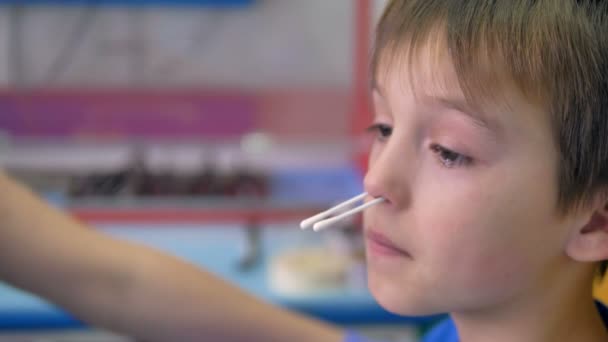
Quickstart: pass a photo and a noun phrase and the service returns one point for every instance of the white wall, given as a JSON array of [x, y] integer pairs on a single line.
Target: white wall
[[4, 34], [273, 43]]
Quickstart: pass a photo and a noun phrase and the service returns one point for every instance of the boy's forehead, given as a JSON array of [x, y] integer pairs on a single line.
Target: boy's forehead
[[426, 73], [425, 66]]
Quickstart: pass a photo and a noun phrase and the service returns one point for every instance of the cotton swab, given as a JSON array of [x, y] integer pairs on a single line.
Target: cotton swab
[[309, 222], [328, 222], [318, 222]]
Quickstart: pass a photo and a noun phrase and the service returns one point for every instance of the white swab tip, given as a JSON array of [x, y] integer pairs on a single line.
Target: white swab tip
[[320, 226], [320, 221], [309, 222]]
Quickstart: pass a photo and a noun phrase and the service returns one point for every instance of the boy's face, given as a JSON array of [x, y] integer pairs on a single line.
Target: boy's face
[[471, 198]]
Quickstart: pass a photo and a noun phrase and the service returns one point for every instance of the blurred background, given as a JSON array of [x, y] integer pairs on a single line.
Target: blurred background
[[205, 128]]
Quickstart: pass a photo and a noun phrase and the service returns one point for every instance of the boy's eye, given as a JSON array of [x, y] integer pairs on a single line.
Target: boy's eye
[[382, 131], [450, 158]]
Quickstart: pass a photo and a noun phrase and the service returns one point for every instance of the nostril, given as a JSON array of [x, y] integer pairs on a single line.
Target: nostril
[[373, 189], [374, 192], [386, 200]]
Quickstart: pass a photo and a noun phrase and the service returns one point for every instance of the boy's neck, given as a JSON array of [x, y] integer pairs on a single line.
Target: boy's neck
[[560, 309]]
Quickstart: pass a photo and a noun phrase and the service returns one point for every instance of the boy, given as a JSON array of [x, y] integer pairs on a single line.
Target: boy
[[492, 153], [491, 119]]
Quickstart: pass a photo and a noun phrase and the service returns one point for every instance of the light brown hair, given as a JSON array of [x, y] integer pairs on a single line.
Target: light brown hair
[[555, 53]]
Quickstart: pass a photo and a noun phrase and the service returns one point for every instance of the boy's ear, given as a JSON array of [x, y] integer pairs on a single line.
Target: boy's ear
[[589, 240]]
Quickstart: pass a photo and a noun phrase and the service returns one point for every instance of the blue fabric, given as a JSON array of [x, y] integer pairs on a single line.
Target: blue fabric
[[446, 331], [352, 336]]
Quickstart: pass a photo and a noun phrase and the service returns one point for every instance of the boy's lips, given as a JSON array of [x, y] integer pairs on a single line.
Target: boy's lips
[[379, 244]]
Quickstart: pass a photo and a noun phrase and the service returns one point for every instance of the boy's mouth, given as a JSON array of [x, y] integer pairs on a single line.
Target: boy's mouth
[[379, 244]]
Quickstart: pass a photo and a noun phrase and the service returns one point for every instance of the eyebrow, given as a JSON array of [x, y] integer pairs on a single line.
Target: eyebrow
[[462, 106], [375, 87], [453, 102]]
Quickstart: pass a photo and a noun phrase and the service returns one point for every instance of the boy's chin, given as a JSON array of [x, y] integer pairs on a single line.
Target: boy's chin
[[402, 307], [395, 301]]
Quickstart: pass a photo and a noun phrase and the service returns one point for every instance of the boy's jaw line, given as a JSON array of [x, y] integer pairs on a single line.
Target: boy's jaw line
[[555, 312]]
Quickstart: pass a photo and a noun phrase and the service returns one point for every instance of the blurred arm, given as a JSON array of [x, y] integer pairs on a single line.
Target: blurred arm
[[128, 288]]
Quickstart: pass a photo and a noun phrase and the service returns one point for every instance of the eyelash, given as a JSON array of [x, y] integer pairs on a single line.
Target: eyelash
[[381, 131], [447, 157]]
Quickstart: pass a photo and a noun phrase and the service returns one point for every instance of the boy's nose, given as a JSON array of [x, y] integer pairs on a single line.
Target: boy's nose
[[388, 177]]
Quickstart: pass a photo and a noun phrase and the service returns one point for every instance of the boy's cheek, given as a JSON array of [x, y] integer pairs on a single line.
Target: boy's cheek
[[465, 223], [492, 271], [492, 248], [474, 261]]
